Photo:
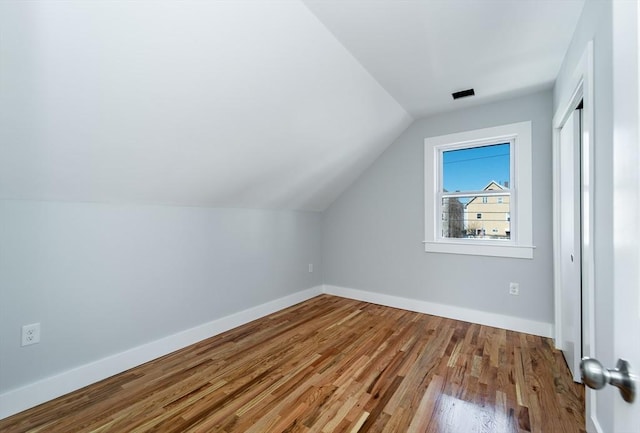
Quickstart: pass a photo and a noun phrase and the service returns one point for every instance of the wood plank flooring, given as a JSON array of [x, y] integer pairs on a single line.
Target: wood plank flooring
[[333, 365]]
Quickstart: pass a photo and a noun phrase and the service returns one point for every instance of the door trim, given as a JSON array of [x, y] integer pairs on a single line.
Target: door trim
[[582, 85]]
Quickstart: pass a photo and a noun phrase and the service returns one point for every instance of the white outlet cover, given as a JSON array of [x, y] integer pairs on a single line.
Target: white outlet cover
[[30, 334]]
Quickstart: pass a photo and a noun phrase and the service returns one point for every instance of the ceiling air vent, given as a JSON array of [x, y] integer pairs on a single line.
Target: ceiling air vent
[[463, 94]]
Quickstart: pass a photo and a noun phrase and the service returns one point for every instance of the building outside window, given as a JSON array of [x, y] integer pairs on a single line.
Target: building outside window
[[492, 214]]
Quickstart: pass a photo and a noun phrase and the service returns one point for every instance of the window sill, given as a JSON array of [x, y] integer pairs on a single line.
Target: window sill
[[477, 249]]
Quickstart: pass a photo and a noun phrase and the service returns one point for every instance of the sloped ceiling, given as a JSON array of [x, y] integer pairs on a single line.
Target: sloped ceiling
[[423, 50], [206, 103], [262, 104]]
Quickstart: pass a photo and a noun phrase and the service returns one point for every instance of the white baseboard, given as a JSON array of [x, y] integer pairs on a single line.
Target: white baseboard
[[459, 313], [17, 400]]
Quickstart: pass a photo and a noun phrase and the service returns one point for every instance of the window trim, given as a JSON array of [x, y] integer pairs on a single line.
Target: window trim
[[521, 243]]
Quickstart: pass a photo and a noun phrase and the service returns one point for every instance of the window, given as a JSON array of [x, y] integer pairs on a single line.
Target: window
[[486, 173], [468, 175]]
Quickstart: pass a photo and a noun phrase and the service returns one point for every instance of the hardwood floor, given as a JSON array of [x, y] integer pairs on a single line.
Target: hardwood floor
[[333, 365]]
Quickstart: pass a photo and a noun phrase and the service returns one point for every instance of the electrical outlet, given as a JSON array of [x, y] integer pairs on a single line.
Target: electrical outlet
[[310, 267], [30, 334], [514, 289]]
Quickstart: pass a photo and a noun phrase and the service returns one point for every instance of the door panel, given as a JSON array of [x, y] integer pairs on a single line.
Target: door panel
[[570, 240], [618, 306], [626, 203]]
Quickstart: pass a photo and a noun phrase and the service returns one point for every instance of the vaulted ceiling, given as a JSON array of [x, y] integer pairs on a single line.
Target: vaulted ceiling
[[263, 104]]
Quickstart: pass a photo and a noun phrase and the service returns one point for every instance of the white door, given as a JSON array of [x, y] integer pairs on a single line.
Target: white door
[[570, 243], [619, 324], [626, 219]]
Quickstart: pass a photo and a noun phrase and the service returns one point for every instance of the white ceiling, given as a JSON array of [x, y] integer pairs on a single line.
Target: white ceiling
[[423, 50], [244, 103]]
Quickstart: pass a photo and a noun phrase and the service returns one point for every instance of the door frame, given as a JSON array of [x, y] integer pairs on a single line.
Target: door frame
[[582, 89]]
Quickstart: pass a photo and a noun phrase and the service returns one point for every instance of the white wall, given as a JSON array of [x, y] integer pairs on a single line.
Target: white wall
[[373, 233], [596, 24], [104, 278]]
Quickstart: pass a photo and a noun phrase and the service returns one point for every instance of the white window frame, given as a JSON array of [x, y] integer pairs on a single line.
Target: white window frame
[[521, 209]]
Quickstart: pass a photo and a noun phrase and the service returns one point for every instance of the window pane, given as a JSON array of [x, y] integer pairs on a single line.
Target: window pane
[[474, 169], [470, 217]]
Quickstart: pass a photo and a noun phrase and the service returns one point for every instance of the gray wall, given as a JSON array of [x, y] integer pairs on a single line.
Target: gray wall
[[372, 235], [103, 278], [596, 24]]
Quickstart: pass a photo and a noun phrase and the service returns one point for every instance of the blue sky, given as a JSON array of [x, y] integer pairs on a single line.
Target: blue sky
[[472, 169]]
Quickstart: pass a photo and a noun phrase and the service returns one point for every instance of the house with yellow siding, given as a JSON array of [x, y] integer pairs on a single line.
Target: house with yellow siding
[[489, 216]]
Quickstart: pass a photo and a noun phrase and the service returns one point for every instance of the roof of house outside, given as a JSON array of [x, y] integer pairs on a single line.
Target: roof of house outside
[[491, 186]]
